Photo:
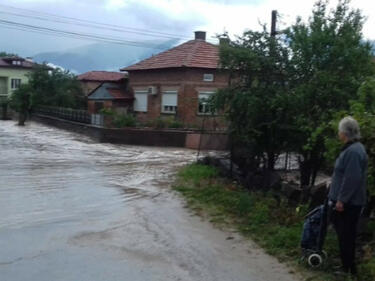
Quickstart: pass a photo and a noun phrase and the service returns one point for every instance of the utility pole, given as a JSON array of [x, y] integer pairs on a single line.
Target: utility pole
[[273, 23]]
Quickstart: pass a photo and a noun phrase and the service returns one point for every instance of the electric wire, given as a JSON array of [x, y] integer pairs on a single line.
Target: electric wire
[[54, 18], [94, 23]]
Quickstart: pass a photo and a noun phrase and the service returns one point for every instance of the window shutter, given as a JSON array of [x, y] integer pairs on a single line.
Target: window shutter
[[169, 99], [140, 103]]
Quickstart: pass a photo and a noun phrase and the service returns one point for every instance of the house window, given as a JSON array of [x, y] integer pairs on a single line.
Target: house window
[[208, 77], [16, 62], [15, 83], [140, 103], [169, 102], [204, 107]]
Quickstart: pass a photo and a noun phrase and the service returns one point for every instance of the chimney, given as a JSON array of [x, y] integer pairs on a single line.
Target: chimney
[[200, 35]]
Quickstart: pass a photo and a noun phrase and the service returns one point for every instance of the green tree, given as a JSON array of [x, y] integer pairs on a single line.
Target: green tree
[[256, 102], [330, 60], [50, 88], [21, 102], [4, 107], [56, 88], [5, 54]]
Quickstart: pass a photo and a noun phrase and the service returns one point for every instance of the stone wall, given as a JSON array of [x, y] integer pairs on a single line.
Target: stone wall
[[140, 136]]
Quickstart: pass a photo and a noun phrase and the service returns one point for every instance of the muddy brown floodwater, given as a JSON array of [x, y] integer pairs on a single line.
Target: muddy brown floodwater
[[75, 210]]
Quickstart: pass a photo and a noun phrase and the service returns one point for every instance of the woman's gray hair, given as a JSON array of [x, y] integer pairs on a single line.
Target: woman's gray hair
[[350, 128]]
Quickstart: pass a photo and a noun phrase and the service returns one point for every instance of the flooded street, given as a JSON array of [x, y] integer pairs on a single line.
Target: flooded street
[[75, 210]]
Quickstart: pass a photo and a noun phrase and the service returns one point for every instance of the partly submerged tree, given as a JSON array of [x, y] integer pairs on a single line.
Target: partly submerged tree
[[285, 89], [330, 60], [49, 88], [256, 102], [4, 107], [21, 102], [56, 88]]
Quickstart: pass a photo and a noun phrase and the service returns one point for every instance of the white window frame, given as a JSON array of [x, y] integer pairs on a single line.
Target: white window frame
[[208, 77], [15, 83], [144, 95], [169, 107], [203, 103]]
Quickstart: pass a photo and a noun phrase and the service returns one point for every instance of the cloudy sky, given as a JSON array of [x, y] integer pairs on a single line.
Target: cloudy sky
[[144, 19]]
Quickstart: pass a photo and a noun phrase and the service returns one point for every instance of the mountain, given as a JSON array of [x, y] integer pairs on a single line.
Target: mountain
[[102, 56]]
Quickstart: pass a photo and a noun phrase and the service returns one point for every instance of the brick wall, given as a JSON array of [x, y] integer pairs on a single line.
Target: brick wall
[[91, 105], [188, 82], [89, 86]]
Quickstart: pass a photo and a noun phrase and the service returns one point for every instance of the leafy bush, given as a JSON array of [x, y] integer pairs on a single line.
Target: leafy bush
[[160, 123], [166, 122], [107, 112], [175, 124], [119, 120], [124, 120]]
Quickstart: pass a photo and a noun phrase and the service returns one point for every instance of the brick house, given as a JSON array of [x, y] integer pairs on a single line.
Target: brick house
[[176, 83], [93, 79], [14, 71], [111, 96]]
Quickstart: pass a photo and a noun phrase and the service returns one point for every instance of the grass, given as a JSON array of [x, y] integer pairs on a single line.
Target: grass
[[270, 222]]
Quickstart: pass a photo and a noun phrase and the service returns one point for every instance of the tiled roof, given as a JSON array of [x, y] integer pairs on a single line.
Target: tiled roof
[[194, 53], [8, 62], [101, 76]]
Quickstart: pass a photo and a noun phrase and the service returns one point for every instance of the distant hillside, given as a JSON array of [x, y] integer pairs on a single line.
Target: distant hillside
[[101, 56]]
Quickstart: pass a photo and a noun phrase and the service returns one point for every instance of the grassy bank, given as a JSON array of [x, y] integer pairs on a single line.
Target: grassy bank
[[262, 217]]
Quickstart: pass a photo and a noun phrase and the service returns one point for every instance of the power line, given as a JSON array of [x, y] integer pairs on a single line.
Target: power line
[[81, 22], [91, 25], [66, 33], [57, 18]]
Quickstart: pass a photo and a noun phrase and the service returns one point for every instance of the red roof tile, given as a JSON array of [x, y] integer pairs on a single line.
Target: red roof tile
[[101, 76], [194, 53]]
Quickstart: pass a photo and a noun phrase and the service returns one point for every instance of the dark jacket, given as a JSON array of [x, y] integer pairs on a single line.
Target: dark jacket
[[350, 176]]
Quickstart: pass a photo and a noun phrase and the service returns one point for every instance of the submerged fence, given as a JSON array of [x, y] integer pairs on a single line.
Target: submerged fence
[[81, 116]]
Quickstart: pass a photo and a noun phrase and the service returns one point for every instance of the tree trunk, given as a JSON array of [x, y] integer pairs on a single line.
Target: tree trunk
[[271, 159], [4, 111], [21, 119], [309, 168], [305, 171]]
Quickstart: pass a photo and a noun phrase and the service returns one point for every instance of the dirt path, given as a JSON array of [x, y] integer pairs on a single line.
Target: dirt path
[[75, 210]]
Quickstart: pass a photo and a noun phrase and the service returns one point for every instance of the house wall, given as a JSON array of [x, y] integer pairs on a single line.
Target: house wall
[[91, 105], [89, 86], [188, 82], [12, 73]]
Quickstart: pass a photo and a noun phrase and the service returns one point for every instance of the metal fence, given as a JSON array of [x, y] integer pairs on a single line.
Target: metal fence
[[97, 120], [81, 116]]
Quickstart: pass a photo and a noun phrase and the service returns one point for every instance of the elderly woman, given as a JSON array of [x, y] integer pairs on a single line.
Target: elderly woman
[[348, 190]]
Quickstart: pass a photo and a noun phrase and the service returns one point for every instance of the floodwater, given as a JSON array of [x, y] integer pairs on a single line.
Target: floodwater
[[75, 210]]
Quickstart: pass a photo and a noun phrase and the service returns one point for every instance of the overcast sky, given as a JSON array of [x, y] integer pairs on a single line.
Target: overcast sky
[[179, 17]]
